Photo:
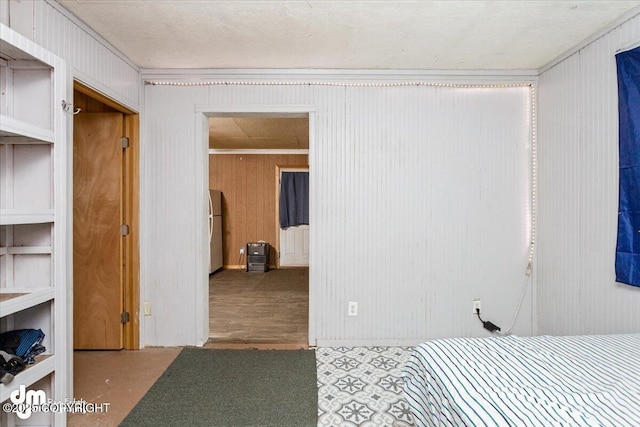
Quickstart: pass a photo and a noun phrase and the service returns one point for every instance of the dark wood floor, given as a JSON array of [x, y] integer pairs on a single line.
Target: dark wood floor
[[259, 308]]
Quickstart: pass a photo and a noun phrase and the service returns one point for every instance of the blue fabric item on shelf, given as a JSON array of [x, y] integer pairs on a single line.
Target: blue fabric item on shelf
[[24, 343]]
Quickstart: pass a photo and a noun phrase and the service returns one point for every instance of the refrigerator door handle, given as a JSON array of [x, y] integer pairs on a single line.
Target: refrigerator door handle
[[210, 217]]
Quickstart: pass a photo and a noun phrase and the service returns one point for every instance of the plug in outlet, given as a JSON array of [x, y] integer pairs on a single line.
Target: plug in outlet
[[147, 308], [353, 308], [476, 306], [241, 251]]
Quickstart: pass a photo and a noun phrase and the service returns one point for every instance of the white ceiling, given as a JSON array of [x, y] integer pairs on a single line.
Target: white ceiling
[[382, 34]]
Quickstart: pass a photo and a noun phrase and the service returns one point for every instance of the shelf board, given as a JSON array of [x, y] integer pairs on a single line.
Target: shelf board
[[44, 366], [17, 299], [7, 297], [15, 217], [13, 131], [15, 46], [25, 250], [28, 250]]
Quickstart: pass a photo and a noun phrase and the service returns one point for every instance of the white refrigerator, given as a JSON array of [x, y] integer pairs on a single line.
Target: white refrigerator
[[215, 230]]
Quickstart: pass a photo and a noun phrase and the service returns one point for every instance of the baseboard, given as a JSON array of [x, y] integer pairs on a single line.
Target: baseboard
[[241, 267]]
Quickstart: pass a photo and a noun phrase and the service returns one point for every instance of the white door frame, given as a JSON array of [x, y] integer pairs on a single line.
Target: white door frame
[[201, 175]]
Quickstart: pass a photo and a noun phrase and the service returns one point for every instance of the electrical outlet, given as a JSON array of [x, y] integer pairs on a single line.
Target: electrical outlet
[[476, 306], [147, 308], [241, 251], [353, 308]]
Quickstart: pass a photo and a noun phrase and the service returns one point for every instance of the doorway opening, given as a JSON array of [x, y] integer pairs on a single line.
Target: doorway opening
[[246, 154], [106, 259]]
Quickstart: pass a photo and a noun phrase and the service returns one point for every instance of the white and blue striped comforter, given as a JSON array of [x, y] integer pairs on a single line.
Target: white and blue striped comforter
[[532, 381]]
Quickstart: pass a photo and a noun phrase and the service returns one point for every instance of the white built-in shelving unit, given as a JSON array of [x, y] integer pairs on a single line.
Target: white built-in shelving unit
[[33, 213]]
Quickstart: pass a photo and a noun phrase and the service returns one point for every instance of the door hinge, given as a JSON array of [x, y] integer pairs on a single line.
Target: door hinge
[[125, 142], [124, 317], [124, 230]]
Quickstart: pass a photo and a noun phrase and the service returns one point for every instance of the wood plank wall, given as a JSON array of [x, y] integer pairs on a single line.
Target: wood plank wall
[[248, 186], [90, 105]]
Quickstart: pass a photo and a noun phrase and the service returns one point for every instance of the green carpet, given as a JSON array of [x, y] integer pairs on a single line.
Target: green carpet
[[245, 388]]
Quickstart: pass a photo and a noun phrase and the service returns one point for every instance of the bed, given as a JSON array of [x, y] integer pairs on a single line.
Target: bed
[[532, 381]]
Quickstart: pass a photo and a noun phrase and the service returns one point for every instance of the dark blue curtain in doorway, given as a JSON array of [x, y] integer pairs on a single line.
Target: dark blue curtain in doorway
[[628, 247], [294, 199]]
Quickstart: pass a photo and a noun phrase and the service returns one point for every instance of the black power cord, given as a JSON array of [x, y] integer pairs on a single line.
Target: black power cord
[[487, 325]]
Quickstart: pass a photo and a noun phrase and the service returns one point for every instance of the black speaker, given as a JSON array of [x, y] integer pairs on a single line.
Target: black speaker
[[258, 257], [257, 249]]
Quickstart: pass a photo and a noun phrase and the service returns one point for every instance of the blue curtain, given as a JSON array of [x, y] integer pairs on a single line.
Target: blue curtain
[[294, 199], [628, 246]]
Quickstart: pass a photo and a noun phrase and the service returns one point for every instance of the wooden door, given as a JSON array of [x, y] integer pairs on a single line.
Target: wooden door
[[97, 241]]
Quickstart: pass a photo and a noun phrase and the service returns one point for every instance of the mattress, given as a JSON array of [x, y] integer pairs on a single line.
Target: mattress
[[530, 381]]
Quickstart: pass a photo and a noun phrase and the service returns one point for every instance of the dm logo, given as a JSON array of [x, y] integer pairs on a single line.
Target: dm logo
[[25, 400]]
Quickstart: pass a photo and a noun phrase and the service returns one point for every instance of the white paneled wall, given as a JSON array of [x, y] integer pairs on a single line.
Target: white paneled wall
[[91, 59], [578, 150], [420, 195], [420, 202], [168, 208]]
